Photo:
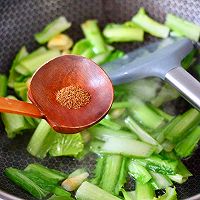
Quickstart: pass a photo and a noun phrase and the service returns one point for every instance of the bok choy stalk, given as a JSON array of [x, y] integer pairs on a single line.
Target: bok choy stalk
[[60, 192], [13, 75], [129, 195], [46, 173], [142, 134], [84, 48], [149, 25], [103, 133], [88, 191], [29, 65], [144, 114], [179, 126], [122, 33], [123, 146], [45, 140], [162, 181], [110, 173], [20, 179], [3, 85], [37, 180], [186, 28], [52, 29], [14, 123], [92, 33], [144, 191], [159, 164], [139, 172], [188, 144]]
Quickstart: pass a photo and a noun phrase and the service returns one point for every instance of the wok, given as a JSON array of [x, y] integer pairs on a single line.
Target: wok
[[20, 19]]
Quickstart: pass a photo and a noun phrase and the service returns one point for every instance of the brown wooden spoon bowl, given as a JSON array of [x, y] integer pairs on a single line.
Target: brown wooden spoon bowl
[[65, 72], [71, 92]]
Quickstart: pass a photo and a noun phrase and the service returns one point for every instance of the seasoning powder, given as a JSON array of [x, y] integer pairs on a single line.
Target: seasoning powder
[[73, 97]]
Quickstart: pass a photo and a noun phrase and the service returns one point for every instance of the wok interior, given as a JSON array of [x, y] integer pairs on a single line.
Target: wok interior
[[21, 19]]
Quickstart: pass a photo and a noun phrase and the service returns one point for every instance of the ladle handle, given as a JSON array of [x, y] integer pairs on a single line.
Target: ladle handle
[[19, 107], [186, 84]]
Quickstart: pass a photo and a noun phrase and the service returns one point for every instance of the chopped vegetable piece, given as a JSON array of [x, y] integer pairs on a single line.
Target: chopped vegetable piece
[[189, 59], [46, 173], [111, 173], [60, 42], [92, 33], [168, 146], [100, 59], [45, 140], [177, 129], [144, 191], [3, 85], [114, 56], [66, 145], [159, 164], [20, 179], [149, 25], [84, 48], [126, 147], [122, 176], [129, 195], [14, 123], [142, 134], [21, 90], [52, 29], [107, 122], [144, 114], [138, 172], [59, 191], [29, 65], [188, 144], [88, 191], [186, 28], [103, 133], [122, 33], [12, 73], [122, 104], [99, 169], [47, 184], [41, 140], [162, 181], [160, 112]]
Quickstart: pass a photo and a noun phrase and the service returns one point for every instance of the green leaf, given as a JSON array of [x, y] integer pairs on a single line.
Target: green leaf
[[66, 145]]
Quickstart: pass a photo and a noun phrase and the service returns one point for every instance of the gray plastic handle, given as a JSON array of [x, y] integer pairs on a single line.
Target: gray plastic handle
[[186, 84], [153, 64]]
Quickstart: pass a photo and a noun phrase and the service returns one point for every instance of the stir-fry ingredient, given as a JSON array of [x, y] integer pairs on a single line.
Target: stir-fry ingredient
[[136, 139]]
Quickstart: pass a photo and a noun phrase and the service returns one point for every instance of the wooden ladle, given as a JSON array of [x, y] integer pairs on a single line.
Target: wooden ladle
[[71, 92]]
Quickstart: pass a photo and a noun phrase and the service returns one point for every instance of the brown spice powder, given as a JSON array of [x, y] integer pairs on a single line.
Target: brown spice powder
[[73, 97]]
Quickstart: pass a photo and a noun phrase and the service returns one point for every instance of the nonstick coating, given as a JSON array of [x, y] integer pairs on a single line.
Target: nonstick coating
[[20, 19]]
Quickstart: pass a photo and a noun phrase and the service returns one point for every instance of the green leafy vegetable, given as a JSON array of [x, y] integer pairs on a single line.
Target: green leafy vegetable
[[92, 33], [3, 85], [149, 25], [186, 28], [20, 179], [88, 191], [122, 33], [52, 29], [13, 75]]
